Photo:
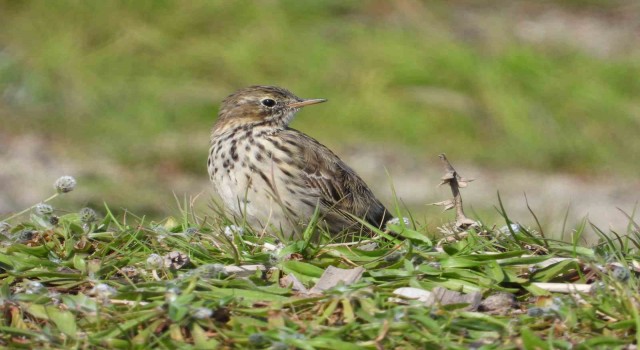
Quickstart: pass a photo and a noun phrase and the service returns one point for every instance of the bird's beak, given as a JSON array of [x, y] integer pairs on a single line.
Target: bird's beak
[[303, 103]]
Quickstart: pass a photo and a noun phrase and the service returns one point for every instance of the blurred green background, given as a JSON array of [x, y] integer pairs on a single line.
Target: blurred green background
[[123, 93]]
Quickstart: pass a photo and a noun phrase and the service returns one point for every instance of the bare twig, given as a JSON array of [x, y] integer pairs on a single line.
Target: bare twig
[[455, 181]]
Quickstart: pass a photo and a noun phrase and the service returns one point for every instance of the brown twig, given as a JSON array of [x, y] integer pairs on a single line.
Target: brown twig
[[455, 181]]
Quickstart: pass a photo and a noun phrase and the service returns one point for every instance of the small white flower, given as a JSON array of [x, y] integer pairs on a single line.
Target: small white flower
[[33, 287], [4, 228], [88, 215], [25, 235], [202, 313], [65, 184], [161, 232], [396, 221], [230, 230], [103, 290], [43, 209], [172, 294], [176, 260], [514, 227], [620, 273], [55, 297], [155, 262], [556, 304], [103, 293]]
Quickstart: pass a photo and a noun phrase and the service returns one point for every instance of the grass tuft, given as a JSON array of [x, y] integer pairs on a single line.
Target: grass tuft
[[127, 282]]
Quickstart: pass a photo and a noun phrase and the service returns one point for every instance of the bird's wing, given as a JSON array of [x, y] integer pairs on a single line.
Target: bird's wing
[[339, 188]]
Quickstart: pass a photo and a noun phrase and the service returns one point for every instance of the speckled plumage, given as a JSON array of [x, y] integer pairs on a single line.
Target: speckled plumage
[[276, 176]]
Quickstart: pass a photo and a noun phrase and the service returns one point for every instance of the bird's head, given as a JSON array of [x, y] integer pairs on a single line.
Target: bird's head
[[261, 105]]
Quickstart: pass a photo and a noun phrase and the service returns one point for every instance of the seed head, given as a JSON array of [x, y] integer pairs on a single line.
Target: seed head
[[65, 184], [176, 260], [88, 215], [258, 339], [514, 227], [129, 271], [25, 235], [103, 292], [396, 221], [535, 312], [230, 230], [4, 228], [621, 273], [202, 313], [154, 262], [43, 210], [33, 287], [55, 297], [161, 232], [54, 220], [171, 294]]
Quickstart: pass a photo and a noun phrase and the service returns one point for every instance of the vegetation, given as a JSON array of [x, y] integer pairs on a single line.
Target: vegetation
[[137, 84], [140, 82], [83, 280]]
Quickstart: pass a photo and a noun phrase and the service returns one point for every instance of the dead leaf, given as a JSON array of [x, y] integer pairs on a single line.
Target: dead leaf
[[500, 303], [294, 283], [441, 296], [176, 260], [414, 294], [332, 276]]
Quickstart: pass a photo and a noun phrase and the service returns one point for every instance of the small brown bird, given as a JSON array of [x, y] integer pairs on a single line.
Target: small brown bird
[[277, 177]]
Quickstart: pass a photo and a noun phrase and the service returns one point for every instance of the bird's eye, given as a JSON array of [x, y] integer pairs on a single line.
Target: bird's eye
[[268, 102]]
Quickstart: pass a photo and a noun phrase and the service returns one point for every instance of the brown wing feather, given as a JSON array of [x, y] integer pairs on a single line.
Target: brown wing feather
[[341, 191]]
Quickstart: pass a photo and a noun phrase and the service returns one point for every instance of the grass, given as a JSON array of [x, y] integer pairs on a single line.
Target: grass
[[139, 83], [84, 281]]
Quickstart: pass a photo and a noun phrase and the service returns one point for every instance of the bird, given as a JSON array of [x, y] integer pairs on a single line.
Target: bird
[[276, 178]]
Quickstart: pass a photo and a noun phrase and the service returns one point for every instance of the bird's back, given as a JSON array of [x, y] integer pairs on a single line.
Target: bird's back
[[340, 192]]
